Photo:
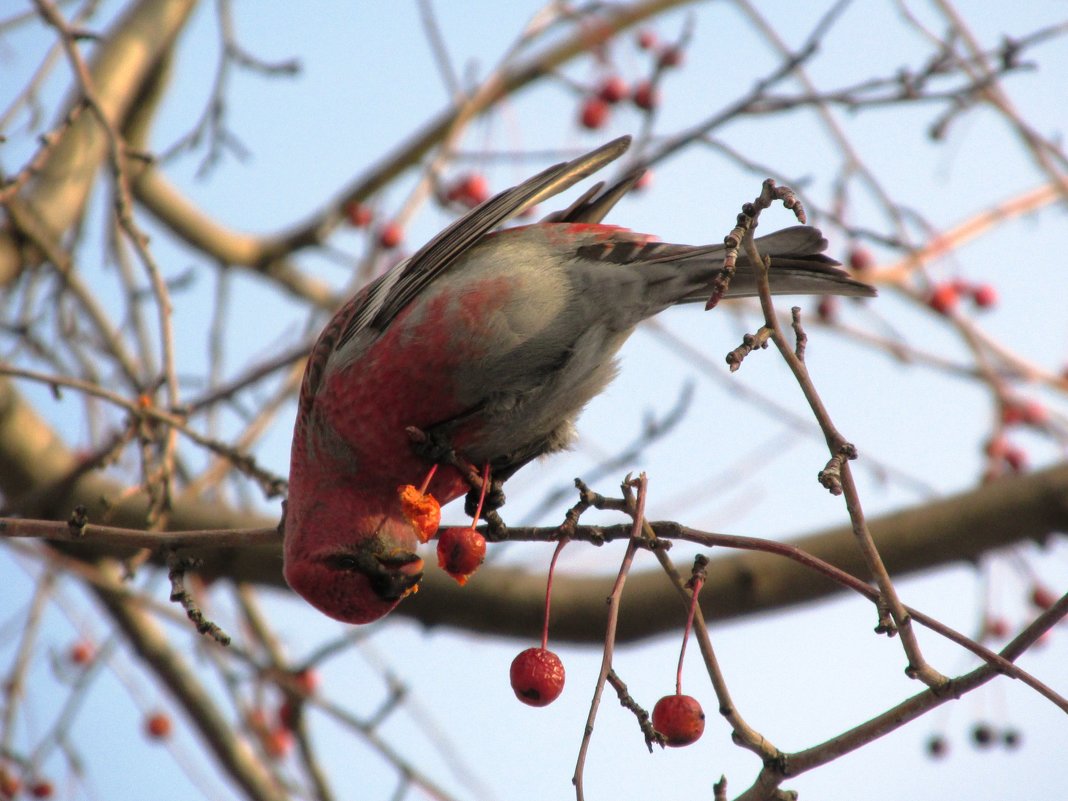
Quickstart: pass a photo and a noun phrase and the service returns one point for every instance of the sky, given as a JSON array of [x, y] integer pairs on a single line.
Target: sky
[[367, 81]]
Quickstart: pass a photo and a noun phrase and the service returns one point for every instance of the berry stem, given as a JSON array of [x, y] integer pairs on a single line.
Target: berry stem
[[482, 494], [549, 590], [697, 582], [426, 481]]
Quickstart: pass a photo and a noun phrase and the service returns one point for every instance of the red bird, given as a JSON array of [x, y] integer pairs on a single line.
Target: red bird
[[490, 342]]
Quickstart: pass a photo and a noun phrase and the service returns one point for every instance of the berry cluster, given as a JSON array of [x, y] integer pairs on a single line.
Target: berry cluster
[[612, 89]]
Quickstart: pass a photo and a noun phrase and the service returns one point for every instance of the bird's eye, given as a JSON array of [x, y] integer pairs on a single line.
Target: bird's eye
[[343, 562]]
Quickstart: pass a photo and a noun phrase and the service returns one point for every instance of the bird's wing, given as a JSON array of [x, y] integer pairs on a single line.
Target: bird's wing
[[384, 299]]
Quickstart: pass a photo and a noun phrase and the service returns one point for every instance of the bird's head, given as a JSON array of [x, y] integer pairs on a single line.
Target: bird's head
[[356, 568]]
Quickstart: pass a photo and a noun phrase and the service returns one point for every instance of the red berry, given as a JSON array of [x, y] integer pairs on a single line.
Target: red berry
[[537, 676], [82, 652], [9, 784], [307, 681], [359, 215], [645, 96], [158, 726], [679, 718], [860, 259], [996, 627], [42, 788], [669, 57], [278, 742], [944, 298], [287, 715], [460, 552], [984, 296], [646, 39], [390, 235], [612, 89], [1034, 413], [471, 190], [827, 308], [1042, 597], [996, 447], [1016, 459], [594, 113]]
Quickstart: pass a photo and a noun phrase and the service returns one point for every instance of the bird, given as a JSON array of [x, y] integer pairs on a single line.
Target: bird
[[488, 342]]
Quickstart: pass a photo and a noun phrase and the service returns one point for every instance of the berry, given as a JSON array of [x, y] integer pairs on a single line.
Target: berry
[[679, 718], [9, 784], [646, 39], [460, 552], [81, 653], [1042, 597], [669, 57], [1010, 738], [278, 742], [390, 235], [421, 510], [594, 113], [307, 681], [982, 734], [470, 190], [359, 215], [537, 676], [42, 788], [944, 298], [645, 96], [984, 296], [996, 627], [1034, 413], [287, 715], [612, 89], [827, 308], [158, 726], [937, 746], [860, 259], [1016, 459]]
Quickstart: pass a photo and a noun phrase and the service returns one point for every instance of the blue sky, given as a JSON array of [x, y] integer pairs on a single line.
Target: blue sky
[[367, 81]]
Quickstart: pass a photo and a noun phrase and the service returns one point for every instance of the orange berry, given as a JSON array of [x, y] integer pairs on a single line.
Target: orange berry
[[278, 742], [460, 552], [81, 652], [158, 726], [944, 298], [390, 235], [679, 718], [421, 510], [537, 676]]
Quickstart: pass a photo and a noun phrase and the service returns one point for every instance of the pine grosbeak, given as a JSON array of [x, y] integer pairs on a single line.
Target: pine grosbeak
[[489, 341]]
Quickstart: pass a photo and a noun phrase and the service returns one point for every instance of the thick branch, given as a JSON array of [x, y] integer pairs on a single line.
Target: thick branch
[[35, 466]]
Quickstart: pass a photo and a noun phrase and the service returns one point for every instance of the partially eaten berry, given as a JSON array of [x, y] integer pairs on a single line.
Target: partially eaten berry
[[537, 676], [679, 718], [460, 552], [421, 510]]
